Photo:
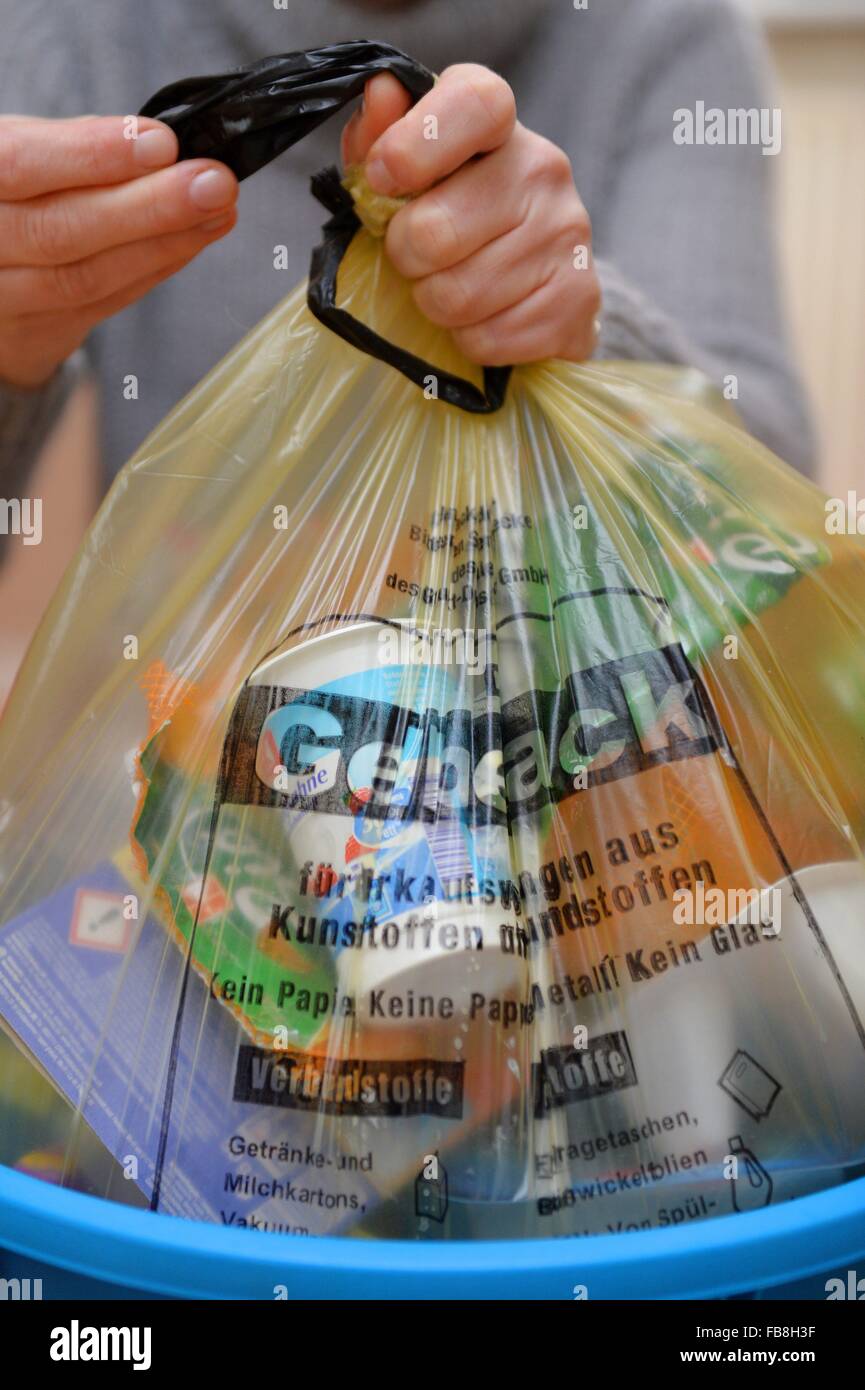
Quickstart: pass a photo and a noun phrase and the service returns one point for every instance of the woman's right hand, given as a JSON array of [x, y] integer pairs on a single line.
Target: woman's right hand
[[91, 218]]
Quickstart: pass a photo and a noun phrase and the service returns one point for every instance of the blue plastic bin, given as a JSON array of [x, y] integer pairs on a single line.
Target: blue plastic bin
[[85, 1247]]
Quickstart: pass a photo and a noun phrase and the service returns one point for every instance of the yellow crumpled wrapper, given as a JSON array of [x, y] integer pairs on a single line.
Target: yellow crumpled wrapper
[[374, 209]]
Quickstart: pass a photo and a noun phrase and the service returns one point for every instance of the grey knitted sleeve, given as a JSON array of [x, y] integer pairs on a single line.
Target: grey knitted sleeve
[[27, 419], [686, 250], [39, 74]]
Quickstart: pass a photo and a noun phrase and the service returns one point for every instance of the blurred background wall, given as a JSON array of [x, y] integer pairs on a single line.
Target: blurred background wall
[[818, 51]]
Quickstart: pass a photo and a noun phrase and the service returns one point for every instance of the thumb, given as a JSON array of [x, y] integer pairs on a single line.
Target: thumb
[[385, 100]]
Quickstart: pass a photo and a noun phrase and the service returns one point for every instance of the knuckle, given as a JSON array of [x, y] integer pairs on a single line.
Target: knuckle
[[10, 157], [491, 93], [76, 282], [156, 207], [398, 153], [587, 288], [571, 234], [594, 298], [443, 298], [110, 152], [93, 147], [49, 229], [559, 166], [548, 163], [473, 343], [430, 233], [582, 224], [535, 168]]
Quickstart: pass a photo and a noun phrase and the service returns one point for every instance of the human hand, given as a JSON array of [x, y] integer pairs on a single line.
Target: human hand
[[491, 244], [90, 220]]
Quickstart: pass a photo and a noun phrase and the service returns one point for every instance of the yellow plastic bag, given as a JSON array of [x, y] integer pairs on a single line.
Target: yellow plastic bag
[[427, 823]]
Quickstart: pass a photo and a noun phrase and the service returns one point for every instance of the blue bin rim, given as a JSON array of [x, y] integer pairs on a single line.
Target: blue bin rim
[[153, 1253]]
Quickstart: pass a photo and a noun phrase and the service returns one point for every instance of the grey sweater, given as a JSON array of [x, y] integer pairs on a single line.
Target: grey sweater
[[683, 233]]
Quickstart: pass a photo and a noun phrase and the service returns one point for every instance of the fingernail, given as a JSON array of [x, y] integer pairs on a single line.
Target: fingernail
[[212, 189], [215, 223], [379, 179], [155, 147]]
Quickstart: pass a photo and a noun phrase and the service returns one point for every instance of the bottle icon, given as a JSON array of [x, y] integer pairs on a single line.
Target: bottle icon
[[431, 1189], [752, 1186]]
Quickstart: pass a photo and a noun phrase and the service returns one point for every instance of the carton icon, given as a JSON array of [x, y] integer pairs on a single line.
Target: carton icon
[[750, 1085]]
